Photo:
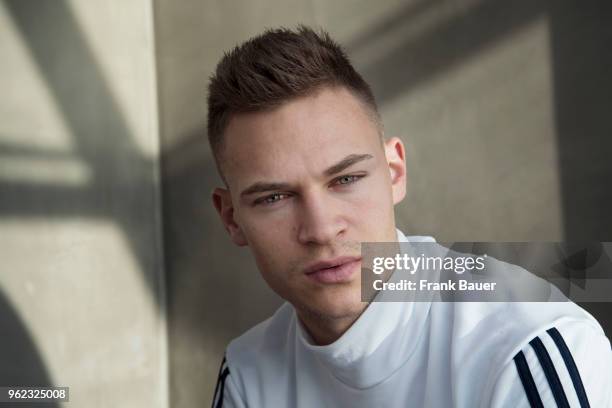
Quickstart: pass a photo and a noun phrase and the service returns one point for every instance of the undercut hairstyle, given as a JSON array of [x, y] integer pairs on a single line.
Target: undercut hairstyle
[[275, 67]]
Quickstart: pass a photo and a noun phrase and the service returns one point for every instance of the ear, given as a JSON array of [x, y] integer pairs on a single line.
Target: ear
[[222, 200], [396, 159]]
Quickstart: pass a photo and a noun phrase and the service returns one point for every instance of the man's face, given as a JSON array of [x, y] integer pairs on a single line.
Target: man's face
[[308, 182]]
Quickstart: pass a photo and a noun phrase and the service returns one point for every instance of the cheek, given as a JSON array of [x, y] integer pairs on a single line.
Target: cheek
[[375, 197], [374, 213], [267, 230], [372, 210], [270, 244], [276, 264]]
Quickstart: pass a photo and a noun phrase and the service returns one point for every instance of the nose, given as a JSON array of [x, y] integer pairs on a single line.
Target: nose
[[321, 220]]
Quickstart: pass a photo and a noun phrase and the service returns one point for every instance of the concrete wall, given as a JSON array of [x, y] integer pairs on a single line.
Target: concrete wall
[[81, 294]]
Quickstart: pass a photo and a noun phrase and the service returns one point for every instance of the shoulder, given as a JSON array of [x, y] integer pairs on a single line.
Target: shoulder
[[269, 336], [567, 364], [488, 340], [260, 355], [254, 359]]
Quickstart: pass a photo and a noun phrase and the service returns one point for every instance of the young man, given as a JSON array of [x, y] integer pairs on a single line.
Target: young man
[[308, 176]]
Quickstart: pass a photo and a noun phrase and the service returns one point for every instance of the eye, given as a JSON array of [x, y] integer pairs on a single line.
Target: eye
[[271, 199], [348, 179]]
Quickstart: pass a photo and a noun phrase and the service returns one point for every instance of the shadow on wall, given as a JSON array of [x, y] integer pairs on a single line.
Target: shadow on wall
[[581, 37], [121, 175], [440, 48], [122, 178], [21, 362]]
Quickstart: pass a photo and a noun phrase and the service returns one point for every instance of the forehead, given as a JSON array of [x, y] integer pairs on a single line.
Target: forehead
[[302, 136]]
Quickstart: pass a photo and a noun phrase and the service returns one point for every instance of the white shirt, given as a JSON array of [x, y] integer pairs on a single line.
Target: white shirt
[[425, 354]]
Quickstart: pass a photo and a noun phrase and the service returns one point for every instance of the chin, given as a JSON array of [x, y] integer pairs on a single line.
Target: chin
[[336, 306]]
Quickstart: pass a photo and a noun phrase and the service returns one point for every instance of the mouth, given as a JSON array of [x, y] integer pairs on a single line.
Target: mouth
[[338, 270]]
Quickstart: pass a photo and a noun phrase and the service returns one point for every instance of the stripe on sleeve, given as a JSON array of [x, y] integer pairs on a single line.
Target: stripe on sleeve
[[571, 366], [220, 387], [527, 380], [550, 372]]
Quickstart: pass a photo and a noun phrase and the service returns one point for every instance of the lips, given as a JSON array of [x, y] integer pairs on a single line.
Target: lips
[[337, 270]]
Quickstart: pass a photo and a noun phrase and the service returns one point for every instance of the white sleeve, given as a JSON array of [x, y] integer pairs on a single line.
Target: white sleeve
[[565, 366], [227, 394]]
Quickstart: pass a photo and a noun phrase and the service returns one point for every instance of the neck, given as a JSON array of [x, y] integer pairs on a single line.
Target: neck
[[326, 330]]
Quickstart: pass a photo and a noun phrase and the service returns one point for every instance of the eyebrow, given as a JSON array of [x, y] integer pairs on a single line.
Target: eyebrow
[[347, 162], [261, 187], [343, 164]]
